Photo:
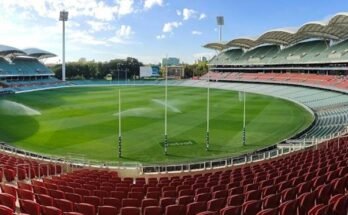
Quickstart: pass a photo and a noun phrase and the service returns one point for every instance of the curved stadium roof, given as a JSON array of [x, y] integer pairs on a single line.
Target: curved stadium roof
[[6, 50], [38, 53], [334, 29], [30, 52]]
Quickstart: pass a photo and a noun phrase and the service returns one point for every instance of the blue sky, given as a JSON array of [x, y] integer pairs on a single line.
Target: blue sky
[[149, 29]]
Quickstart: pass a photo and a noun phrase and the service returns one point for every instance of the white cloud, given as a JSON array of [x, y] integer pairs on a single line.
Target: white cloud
[[125, 7], [98, 26], [125, 31], [148, 4], [196, 32], [169, 27], [161, 36], [188, 13], [89, 8], [123, 35], [83, 37], [202, 16]]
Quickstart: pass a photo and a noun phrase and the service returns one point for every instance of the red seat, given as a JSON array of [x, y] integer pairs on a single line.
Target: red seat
[[175, 210], [29, 207], [73, 213], [8, 200], [251, 187], [93, 200], [130, 211], [305, 202], [24, 186], [10, 174], [203, 197], [220, 194], [186, 192], [153, 195], [231, 210], [82, 192], [136, 195], [153, 210], [85, 208], [288, 194], [339, 205], [44, 200], [303, 188], [40, 190], [338, 186], [109, 201], [323, 193], [107, 210], [74, 197], [130, 203], [25, 194], [57, 194], [170, 193], [164, 202], [207, 213], [148, 202], [253, 195], [270, 211], [271, 201], [9, 189], [251, 207], [319, 209], [6, 210], [50, 210], [272, 189], [216, 204], [64, 204], [288, 207], [66, 189], [195, 207], [235, 200], [185, 200], [101, 193]]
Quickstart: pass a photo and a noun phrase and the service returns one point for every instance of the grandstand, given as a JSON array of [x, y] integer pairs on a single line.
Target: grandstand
[[314, 55], [315, 46], [22, 69]]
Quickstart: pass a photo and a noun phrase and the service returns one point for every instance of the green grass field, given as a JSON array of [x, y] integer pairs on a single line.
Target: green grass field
[[84, 121]]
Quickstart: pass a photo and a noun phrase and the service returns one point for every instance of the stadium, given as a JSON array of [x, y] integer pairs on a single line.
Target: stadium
[[262, 132]]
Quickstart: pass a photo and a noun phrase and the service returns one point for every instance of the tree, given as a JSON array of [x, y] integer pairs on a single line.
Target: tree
[[83, 69]]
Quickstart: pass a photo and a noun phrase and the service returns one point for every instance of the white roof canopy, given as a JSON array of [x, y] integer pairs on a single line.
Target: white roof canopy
[[334, 29]]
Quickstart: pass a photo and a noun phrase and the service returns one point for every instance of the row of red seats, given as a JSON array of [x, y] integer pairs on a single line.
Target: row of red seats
[[14, 167], [300, 78], [311, 171], [250, 183]]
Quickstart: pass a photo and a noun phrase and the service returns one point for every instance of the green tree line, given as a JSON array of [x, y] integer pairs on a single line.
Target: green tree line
[[118, 68], [83, 69]]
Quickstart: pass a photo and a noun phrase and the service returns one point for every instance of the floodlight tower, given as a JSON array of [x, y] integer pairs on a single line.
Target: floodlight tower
[[63, 16], [220, 22]]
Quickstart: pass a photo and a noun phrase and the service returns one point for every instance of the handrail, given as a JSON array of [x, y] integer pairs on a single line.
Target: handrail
[[39, 169]]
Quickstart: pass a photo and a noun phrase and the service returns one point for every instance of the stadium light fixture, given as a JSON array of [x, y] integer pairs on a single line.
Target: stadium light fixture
[[220, 22], [63, 17]]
